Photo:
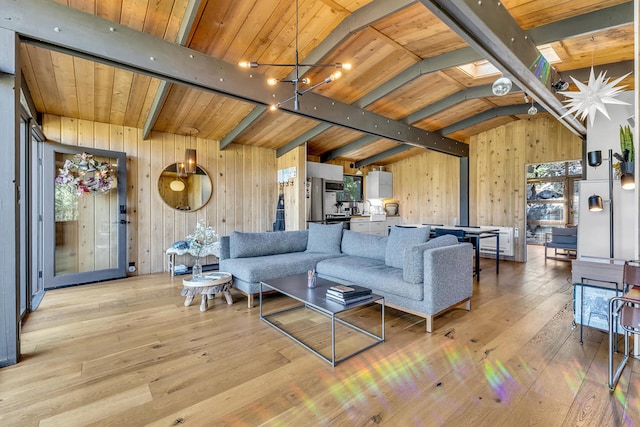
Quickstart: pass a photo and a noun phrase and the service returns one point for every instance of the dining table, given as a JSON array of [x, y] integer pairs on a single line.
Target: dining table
[[473, 235]]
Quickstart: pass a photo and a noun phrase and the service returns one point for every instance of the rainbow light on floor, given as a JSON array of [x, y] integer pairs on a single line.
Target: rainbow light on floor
[[573, 377], [499, 379], [405, 373], [620, 397], [459, 360]]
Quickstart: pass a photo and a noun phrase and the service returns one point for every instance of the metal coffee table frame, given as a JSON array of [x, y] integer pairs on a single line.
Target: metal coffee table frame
[[295, 287]]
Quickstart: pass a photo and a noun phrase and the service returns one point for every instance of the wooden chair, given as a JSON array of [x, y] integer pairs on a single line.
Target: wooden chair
[[561, 239], [624, 310]]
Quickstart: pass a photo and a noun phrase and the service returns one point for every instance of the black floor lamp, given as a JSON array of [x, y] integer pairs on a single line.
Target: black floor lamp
[[595, 202]]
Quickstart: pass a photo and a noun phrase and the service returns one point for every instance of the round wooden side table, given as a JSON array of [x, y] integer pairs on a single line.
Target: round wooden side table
[[208, 286]]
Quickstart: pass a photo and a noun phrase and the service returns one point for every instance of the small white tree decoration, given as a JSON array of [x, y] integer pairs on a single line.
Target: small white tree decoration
[[203, 242]]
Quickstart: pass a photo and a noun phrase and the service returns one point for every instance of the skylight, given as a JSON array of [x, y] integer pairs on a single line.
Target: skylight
[[484, 68]]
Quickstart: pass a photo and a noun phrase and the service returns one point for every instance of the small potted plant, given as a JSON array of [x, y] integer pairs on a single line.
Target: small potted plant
[[627, 158]]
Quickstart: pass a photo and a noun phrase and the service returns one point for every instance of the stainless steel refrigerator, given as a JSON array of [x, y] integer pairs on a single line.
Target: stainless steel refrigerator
[[315, 194], [321, 201]]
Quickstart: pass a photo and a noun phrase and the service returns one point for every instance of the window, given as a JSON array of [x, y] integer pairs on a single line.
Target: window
[[352, 189], [551, 197]]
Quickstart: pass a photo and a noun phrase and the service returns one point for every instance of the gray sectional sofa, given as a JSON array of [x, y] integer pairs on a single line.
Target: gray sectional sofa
[[416, 275]]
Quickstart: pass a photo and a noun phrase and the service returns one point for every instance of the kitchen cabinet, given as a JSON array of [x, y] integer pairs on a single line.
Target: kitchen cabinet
[[359, 225], [393, 220], [379, 185], [378, 228], [324, 170], [362, 224]]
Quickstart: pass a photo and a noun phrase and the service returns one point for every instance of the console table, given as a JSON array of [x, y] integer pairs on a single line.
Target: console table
[[172, 252]]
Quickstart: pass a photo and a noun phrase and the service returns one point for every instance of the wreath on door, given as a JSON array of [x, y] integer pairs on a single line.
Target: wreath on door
[[87, 174]]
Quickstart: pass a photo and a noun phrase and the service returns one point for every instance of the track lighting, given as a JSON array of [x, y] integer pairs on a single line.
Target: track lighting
[[560, 85]]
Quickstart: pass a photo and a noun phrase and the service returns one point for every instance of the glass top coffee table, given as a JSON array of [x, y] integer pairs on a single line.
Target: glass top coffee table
[[295, 287]]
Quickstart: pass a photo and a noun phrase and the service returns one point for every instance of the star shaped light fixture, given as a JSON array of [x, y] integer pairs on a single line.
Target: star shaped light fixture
[[592, 97]]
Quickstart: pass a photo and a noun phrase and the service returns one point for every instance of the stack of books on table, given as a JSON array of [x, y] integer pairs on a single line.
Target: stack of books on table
[[348, 294]]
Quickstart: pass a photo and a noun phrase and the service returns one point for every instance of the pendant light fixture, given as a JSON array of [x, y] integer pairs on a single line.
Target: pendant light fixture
[[178, 184], [296, 81], [502, 86], [190, 158]]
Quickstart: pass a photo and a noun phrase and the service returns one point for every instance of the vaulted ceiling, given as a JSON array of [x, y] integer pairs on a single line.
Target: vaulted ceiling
[[405, 80]]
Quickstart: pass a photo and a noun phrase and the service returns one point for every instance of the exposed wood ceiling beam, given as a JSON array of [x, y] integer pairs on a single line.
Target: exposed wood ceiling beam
[[572, 27], [381, 156], [357, 21], [456, 98], [508, 110], [244, 124], [491, 30], [594, 21], [447, 60], [582, 74], [79, 33], [163, 89], [451, 100], [609, 17], [617, 69], [311, 133], [396, 45], [426, 66], [346, 149]]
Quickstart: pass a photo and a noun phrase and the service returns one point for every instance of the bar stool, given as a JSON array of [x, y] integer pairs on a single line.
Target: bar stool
[[626, 309]]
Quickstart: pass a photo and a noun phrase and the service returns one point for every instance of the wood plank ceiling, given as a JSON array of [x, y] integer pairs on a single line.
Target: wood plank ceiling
[[387, 39]]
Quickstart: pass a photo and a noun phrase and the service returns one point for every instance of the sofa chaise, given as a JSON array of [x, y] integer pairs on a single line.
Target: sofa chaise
[[416, 275]]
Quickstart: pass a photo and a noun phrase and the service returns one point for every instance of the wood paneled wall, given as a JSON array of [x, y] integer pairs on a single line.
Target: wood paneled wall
[[497, 174], [244, 185], [427, 187], [245, 191]]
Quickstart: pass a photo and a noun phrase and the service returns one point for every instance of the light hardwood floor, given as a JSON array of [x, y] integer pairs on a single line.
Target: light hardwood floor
[[128, 353]]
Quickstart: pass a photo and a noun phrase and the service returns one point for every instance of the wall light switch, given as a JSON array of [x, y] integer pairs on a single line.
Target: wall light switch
[[515, 232]]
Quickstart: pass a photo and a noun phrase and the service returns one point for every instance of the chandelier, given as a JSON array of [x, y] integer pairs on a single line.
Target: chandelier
[[296, 81]]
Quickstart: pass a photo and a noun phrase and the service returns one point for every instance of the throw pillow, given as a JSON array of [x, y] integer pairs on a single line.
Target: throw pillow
[[180, 245], [364, 245], [401, 238], [324, 238], [413, 267], [245, 245]]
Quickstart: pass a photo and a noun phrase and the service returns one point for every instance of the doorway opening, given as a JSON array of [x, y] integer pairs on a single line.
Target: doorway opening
[[552, 198], [82, 215]]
